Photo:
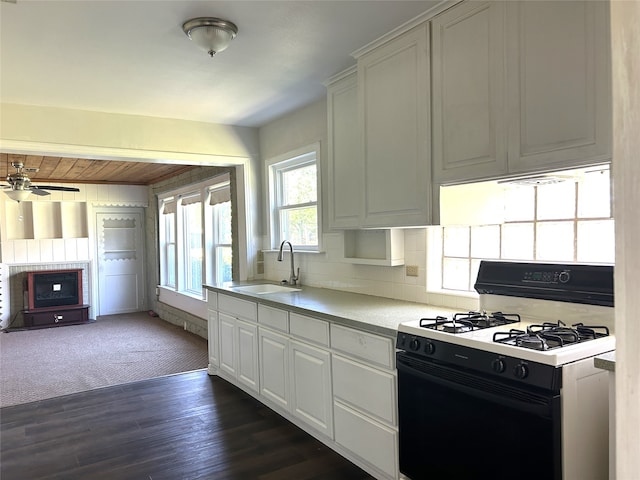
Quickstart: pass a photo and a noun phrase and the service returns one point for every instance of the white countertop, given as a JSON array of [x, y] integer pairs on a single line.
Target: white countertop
[[377, 315]]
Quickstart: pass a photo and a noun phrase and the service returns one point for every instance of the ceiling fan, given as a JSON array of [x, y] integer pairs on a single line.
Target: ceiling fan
[[20, 185]]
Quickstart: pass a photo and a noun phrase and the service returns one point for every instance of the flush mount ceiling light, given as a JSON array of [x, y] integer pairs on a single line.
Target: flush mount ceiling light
[[211, 34]]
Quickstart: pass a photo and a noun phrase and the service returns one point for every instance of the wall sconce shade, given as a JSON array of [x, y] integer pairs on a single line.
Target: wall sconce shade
[[211, 34]]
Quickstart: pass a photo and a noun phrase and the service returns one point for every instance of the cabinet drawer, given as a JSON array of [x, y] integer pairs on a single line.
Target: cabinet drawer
[[274, 318], [371, 441], [238, 308], [364, 388], [311, 329], [366, 346], [212, 300]]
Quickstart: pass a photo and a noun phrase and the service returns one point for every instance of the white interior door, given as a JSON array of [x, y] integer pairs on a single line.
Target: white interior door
[[120, 252]]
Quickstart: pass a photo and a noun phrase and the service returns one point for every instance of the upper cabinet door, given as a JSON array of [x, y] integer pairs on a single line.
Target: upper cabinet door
[[469, 137], [558, 84], [345, 173], [393, 89]]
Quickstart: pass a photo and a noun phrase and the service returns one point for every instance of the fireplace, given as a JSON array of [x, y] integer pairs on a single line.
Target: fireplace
[[55, 297], [54, 288]]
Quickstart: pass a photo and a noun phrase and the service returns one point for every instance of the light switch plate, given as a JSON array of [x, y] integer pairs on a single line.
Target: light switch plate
[[411, 270]]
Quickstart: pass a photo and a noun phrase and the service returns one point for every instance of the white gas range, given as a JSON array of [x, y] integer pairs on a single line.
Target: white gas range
[[523, 366]]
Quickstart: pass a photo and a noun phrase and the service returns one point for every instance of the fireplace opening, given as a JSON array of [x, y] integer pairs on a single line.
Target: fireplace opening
[[54, 288]]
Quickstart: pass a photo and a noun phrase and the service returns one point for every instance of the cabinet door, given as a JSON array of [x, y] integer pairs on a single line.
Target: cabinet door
[[345, 174], [247, 335], [228, 341], [558, 84], [393, 89], [213, 341], [274, 367], [311, 386], [469, 136]]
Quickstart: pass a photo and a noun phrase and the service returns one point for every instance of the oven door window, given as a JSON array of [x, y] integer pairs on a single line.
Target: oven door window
[[456, 425]]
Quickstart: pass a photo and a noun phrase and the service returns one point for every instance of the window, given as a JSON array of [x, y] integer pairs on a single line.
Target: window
[[566, 221], [168, 235], [293, 191], [195, 236]]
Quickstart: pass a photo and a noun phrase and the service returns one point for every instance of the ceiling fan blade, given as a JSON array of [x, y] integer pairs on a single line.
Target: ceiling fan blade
[[52, 187], [41, 193]]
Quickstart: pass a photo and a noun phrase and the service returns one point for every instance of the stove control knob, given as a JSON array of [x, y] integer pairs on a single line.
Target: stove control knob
[[521, 371], [498, 365], [564, 276], [430, 348], [414, 344]]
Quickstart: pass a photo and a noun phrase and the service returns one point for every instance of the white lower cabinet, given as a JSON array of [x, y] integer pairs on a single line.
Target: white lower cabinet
[[247, 354], [213, 340], [336, 382], [228, 343], [311, 398], [374, 442], [274, 367]]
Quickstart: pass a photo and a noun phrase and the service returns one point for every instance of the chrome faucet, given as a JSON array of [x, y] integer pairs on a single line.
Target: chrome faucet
[[293, 278]]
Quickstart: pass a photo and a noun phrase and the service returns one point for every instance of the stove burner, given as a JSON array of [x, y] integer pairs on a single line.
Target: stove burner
[[550, 335], [457, 327], [466, 322]]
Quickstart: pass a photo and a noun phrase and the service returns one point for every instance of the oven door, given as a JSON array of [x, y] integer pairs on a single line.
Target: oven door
[[454, 424]]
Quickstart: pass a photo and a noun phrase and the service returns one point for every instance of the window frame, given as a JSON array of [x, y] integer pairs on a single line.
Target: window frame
[[275, 167], [203, 191]]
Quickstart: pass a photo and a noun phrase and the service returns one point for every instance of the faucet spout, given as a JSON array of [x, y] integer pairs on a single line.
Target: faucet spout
[[293, 277]]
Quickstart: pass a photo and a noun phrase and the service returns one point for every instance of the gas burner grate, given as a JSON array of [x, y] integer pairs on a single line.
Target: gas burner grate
[[547, 336], [469, 321]]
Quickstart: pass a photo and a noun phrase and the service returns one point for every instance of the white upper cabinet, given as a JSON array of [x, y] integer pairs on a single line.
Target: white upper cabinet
[[559, 94], [393, 91], [519, 88], [345, 172], [469, 136]]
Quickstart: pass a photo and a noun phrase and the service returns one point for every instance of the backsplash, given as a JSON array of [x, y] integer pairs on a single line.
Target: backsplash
[[328, 270]]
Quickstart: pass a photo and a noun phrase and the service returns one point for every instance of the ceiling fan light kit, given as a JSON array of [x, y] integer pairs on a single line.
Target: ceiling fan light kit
[[20, 187], [211, 34]]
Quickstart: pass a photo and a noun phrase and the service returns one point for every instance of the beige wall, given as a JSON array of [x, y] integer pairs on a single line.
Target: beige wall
[[107, 135], [625, 31]]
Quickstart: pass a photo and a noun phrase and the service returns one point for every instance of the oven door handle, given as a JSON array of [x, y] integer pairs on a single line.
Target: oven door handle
[[520, 399]]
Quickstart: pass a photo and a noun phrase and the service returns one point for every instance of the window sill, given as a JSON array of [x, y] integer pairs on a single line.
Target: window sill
[[296, 252]]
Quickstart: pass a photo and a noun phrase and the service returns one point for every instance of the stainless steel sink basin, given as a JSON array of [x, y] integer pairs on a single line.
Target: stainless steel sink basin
[[265, 288]]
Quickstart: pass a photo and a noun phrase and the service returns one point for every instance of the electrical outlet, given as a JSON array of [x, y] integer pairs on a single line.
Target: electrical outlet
[[411, 270]]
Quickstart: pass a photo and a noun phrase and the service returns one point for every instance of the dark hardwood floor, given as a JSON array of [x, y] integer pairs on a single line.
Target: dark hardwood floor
[[186, 426]]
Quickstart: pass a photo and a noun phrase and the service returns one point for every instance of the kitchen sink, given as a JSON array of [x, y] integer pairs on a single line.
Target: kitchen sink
[[265, 288]]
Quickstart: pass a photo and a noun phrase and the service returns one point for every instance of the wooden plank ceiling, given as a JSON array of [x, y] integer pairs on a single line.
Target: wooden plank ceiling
[[84, 170]]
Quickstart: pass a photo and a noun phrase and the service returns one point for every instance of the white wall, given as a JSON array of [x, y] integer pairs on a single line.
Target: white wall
[[328, 269], [625, 30]]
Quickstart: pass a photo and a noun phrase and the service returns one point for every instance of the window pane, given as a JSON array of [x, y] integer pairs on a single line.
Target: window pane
[[456, 241], [170, 267], [193, 246], [519, 202], [517, 241], [485, 241], [554, 241], [299, 185], [594, 195], [223, 227], [596, 241], [455, 274], [557, 200], [223, 263], [300, 226]]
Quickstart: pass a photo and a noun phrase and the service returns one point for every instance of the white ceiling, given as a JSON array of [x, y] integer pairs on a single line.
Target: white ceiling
[[132, 57]]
